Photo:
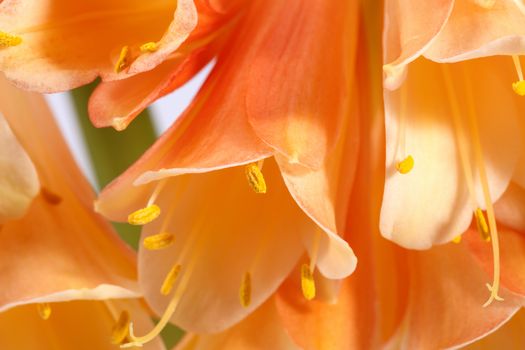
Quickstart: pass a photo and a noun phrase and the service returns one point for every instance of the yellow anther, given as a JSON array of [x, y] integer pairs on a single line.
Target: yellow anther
[[149, 47], [122, 61], [406, 165], [7, 40], [457, 239], [159, 241], [483, 227], [519, 87], [44, 310], [120, 330], [170, 279], [144, 215], [245, 291], [255, 178], [307, 282]]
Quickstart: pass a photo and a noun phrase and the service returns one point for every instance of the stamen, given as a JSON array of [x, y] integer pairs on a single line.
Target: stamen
[[149, 47], [120, 330], [406, 165], [481, 223], [170, 279], [245, 291], [307, 282], [144, 215], [44, 310], [493, 229], [457, 239], [519, 86], [478, 153], [170, 309], [255, 178], [8, 40], [159, 241], [50, 197], [122, 61]]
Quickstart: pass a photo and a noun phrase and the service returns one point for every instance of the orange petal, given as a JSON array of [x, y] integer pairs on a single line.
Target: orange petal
[[510, 208], [461, 39], [80, 325], [509, 336], [261, 330], [432, 204], [300, 60], [47, 254], [117, 103], [447, 291], [512, 252], [226, 230], [410, 27], [66, 44], [19, 183]]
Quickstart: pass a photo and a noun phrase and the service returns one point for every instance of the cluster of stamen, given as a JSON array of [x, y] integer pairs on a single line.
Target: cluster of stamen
[[255, 178], [127, 55]]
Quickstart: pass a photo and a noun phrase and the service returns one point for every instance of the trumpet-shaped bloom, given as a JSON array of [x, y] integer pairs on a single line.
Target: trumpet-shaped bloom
[[304, 127], [81, 325], [454, 131], [51, 46], [59, 250]]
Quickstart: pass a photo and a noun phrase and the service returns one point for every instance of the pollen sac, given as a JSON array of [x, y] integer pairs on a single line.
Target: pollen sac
[[44, 310], [122, 61], [8, 40], [120, 330], [406, 165], [144, 215], [159, 241], [245, 291], [481, 223], [519, 87], [457, 239], [149, 47], [170, 279], [307, 282], [255, 178]]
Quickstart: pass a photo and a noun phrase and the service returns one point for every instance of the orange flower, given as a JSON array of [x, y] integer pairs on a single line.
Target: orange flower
[[59, 250], [454, 131], [228, 239], [58, 45]]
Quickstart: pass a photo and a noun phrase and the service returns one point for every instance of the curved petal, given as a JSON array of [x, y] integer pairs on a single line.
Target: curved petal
[[300, 61], [461, 39], [51, 239], [227, 230], [82, 325], [261, 330], [19, 184], [510, 208], [509, 336], [212, 134], [431, 203], [512, 261], [117, 103], [447, 291], [66, 44], [409, 29]]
